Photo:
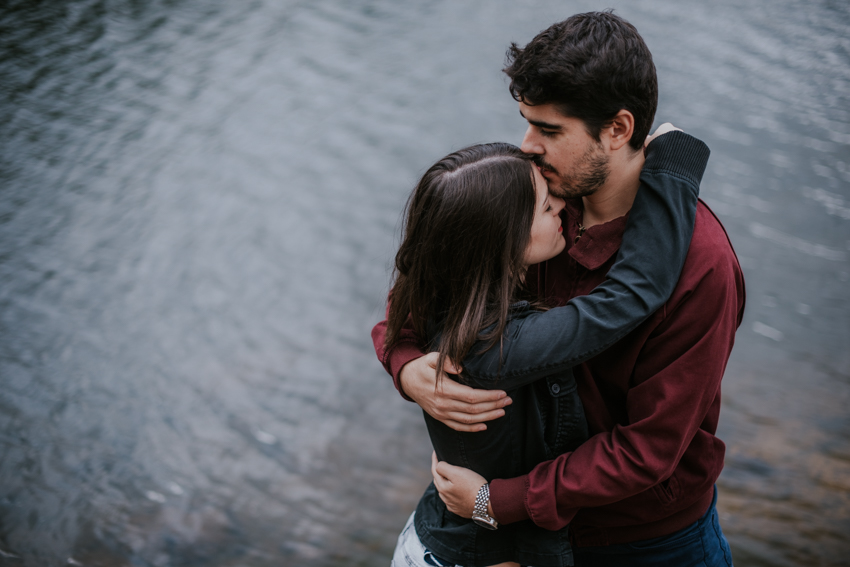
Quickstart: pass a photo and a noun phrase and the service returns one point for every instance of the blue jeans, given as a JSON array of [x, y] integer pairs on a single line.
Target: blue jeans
[[702, 544]]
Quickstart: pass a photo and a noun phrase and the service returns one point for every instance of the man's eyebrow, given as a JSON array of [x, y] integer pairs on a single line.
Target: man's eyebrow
[[540, 123]]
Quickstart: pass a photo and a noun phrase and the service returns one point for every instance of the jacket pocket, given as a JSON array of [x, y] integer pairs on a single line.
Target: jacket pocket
[[667, 491], [566, 425]]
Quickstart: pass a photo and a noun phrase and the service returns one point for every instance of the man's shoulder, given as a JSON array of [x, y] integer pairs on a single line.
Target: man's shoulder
[[711, 288], [710, 241], [710, 255]]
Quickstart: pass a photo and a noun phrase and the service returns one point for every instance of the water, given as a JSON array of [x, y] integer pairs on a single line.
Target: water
[[198, 204]]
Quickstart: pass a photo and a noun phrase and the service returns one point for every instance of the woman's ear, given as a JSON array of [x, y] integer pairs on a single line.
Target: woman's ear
[[620, 129]]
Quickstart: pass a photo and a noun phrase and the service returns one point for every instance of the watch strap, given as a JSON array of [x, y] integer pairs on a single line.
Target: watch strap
[[480, 515]]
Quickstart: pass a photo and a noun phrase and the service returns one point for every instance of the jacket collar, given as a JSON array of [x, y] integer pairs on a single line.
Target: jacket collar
[[599, 243]]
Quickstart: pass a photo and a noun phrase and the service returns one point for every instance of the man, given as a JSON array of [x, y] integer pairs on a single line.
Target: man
[[641, 490]]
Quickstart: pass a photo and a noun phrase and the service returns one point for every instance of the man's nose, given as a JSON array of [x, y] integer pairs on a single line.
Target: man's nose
[[530, 143]]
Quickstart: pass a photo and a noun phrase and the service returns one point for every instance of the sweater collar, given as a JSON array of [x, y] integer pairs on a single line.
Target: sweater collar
[[598, 243]]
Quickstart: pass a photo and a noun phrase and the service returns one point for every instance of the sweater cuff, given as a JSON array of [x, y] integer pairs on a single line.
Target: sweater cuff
[[508, 497], [678, 153], [401, 354]]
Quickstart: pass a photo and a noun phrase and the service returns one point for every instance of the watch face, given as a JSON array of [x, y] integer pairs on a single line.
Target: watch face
[[487, 522]]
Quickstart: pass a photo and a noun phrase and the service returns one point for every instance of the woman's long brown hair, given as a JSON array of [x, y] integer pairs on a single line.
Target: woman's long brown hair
[[460, 265]]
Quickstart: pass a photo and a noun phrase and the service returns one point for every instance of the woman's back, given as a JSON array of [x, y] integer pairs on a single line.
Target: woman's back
[[545, 419]]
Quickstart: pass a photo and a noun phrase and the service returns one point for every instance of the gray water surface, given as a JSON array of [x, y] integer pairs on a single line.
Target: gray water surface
[[199, 201]]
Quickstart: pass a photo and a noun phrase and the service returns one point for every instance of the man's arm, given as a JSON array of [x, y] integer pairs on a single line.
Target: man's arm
[[404, 351]]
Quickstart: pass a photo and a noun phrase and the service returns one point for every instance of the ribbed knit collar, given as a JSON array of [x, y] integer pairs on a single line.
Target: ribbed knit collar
[[598, 243]]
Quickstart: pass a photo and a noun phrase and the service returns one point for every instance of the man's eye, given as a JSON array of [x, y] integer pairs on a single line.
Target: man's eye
[[547, 133]]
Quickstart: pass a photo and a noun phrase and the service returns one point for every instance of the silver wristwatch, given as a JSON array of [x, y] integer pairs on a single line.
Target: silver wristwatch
[[479, 513]]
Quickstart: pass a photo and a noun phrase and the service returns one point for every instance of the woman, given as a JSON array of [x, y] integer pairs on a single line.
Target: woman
[[475, 223]]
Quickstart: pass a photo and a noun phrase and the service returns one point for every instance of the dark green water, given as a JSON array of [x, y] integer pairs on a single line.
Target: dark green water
[[198, 204]]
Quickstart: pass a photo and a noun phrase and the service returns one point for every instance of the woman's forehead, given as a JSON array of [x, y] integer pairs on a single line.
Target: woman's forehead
[[541, 187]]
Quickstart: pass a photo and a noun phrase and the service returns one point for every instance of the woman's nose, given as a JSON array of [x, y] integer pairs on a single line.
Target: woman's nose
[[557, 203]]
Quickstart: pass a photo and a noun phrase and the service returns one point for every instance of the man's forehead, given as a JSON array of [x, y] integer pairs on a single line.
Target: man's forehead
[[543, 115]]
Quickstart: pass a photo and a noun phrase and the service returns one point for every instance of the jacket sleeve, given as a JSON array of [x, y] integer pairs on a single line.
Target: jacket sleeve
[[404, 351], [655, 244]]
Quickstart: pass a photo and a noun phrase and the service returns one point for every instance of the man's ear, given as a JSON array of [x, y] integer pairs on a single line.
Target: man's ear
[[620, 129]]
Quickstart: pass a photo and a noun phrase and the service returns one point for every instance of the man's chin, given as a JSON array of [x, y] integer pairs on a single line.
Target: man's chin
[[570, 192]]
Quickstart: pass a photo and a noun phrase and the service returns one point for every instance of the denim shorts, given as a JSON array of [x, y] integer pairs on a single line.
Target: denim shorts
[[409, 551]]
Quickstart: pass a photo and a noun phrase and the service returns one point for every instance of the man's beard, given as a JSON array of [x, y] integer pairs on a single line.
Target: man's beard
[[589, 174]]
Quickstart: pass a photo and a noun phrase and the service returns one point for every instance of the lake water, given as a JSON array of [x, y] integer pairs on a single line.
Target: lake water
[[199, 201]]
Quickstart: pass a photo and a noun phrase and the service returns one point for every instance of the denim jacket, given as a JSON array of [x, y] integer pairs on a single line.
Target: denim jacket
[[539, 349]]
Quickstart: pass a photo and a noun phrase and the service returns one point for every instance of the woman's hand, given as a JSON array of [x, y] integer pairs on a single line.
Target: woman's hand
[[663, 129], [457, 486]]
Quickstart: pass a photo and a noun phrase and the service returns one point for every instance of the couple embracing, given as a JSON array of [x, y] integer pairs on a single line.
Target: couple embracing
[[563, 313]]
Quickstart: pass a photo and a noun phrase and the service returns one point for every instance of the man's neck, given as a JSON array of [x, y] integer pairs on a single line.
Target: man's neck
[[615, 198]]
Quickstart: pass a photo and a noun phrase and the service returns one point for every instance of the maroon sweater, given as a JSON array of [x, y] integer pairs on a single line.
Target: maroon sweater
[[652, 400]]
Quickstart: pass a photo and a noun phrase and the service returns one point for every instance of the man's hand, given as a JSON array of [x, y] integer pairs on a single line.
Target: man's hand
[[457, 486], [663, 129], [460, 407]]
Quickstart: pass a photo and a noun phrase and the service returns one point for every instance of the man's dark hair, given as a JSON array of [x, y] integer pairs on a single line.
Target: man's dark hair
[[590, 66]]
